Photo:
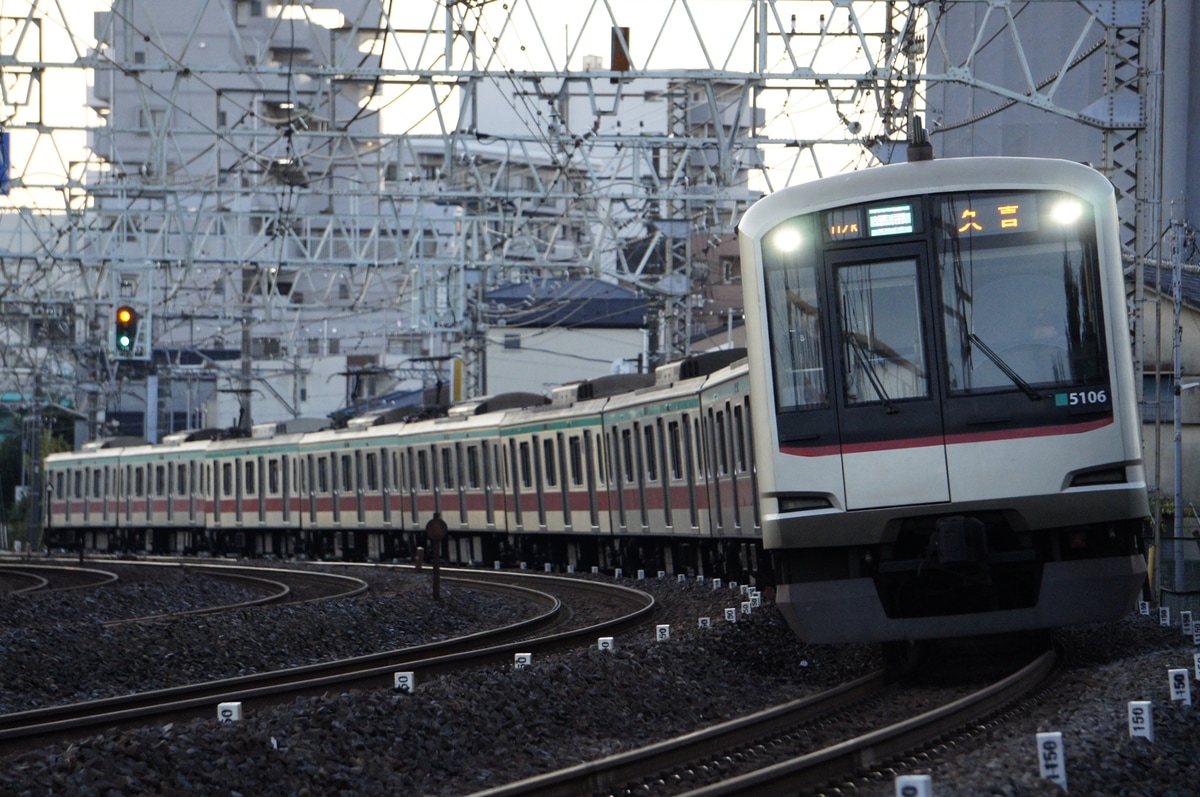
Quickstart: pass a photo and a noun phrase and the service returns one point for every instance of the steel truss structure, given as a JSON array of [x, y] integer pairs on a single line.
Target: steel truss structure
[[307, 181]]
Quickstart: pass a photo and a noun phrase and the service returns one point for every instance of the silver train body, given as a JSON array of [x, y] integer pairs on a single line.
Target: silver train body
[[946, 426], [652, 472]]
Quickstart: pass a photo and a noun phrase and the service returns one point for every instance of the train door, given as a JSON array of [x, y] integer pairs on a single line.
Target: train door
[[884, 379]]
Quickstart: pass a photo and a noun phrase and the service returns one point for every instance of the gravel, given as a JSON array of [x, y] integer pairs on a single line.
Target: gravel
[[481, 728]]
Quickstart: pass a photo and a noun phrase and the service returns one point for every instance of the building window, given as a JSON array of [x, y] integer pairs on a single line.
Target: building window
[[512, 340]]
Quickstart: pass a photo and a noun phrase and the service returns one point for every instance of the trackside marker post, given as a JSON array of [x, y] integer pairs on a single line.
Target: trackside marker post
[[1141, 719], [1144, 607], [605, 643], [1196, 664], [1185, 620], [229, 713], [1164, 615], [522, 660], [1181, 687], [914, 786], [1051, 758], [662, 632], [403, 682], [706, 622], [716, 583], [731, 615]]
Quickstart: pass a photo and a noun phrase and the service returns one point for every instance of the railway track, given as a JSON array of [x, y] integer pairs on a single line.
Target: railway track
[[19, 579], [758, 754], [279, 586], [549, 630]]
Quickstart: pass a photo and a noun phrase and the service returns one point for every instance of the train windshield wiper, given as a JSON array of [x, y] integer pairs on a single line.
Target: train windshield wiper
[[872, 375], [1006, 368]]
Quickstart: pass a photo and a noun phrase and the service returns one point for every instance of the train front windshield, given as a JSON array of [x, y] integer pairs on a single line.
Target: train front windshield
[[920, 298]]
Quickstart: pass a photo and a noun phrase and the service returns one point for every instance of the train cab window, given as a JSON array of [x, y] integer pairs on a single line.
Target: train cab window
[[794, 315], [1021, 302], [883, 351], [650, 453]]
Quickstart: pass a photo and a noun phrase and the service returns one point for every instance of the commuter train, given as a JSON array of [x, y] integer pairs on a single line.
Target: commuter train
[[649, 472], [941, 379], [934, 433]]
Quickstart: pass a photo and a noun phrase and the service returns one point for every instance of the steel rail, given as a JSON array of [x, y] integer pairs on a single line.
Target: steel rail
[[845, 759]]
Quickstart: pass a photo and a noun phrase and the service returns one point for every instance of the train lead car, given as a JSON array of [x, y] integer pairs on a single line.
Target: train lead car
[[941, 354]]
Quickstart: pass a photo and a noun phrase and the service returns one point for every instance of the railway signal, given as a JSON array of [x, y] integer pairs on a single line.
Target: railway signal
[[125, 330]]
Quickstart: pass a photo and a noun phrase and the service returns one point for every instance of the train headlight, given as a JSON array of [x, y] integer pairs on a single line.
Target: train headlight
[[1067, 211], [785, 241]]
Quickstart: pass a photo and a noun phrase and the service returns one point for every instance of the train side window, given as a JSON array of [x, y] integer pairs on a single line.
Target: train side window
[[273, 476], [250, 486], [575, 453], [78, 493], [651, 453], [739, 440], [473, 467], [548, 454], [501, 474], [372, 471], [96, 484], [676, 450], [525, 465], [447, 468], [226, 478], [627, 454], [139, 481], [160, 480], [423, 469], [346, 473], [322, 475], [722, 447]]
